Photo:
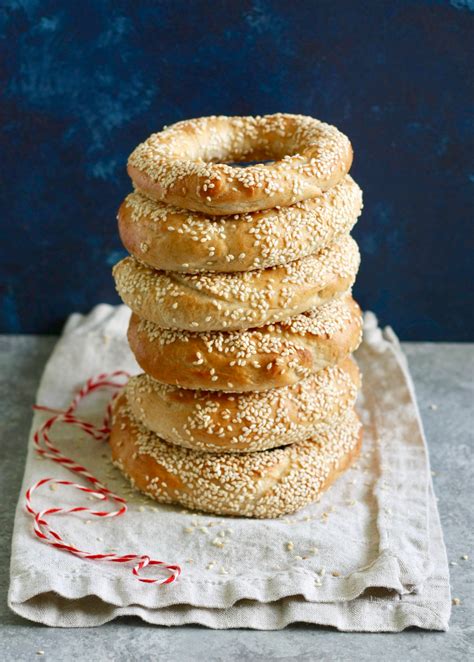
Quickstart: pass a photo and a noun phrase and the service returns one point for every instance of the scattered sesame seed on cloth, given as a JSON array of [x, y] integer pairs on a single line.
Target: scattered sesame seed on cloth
[[367, 566]]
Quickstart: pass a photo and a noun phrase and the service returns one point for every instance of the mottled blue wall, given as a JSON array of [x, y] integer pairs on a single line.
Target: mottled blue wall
[[84, 81]]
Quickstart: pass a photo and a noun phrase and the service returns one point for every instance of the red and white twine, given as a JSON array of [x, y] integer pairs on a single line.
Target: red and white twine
[[44, 447]]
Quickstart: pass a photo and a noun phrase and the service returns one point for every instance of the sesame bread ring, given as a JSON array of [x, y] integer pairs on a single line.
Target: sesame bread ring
[[242, 422], [174, 239], [187, 164], [270, 356], [216, 302], [266, 484]]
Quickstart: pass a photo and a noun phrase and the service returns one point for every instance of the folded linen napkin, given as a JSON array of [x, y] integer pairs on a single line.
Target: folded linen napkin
[[369, 556]]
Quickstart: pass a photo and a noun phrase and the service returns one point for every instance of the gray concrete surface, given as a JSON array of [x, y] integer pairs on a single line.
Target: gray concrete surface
[[443, 375]]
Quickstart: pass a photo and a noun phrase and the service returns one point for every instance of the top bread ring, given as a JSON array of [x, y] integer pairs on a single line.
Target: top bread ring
[[188, 163], [175, 239]]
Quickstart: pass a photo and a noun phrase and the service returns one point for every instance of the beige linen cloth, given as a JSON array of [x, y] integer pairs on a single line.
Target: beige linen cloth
[[369, 556]]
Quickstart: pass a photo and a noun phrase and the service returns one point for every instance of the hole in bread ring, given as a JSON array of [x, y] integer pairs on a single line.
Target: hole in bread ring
[[188, 163]]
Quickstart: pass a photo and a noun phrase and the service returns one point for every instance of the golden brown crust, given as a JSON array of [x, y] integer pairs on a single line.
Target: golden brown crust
[[174, 239], [186, 164], [264, 484], [243, 422], [205, 302], [270, 356]]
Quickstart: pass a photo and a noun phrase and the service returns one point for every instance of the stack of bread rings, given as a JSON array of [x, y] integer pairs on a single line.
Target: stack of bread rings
[[239, 280]]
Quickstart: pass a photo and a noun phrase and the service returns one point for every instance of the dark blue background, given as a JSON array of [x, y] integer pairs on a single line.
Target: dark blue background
[[83, 82]]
